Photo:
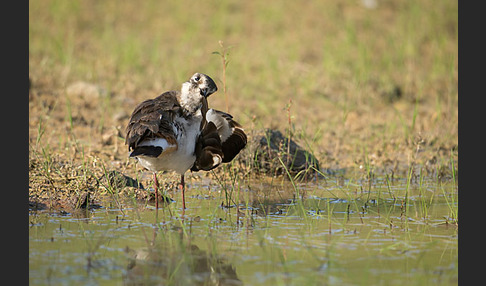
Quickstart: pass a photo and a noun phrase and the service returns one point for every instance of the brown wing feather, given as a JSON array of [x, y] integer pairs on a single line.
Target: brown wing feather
[[233, 144], [153, 119], [208, 145]]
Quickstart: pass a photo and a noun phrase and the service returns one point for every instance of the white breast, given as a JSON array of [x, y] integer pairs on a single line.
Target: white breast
[[175, 158]]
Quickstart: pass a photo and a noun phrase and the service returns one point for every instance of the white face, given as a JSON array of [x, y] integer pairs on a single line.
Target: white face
[[204, 83], [196, 78], [194, 91], [191, 97]]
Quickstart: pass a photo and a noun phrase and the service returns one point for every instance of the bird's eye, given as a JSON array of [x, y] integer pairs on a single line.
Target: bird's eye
[[197, 78]]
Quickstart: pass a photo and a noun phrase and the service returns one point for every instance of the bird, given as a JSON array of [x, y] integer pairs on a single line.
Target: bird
[[177, 131]]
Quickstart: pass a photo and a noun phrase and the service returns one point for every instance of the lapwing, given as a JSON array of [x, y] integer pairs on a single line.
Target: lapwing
[[176, 131]]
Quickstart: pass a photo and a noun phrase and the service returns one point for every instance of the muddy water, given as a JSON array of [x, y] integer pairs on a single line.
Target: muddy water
[[337, 232]]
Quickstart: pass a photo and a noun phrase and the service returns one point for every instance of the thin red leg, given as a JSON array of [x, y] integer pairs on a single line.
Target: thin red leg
[[183, 188], [156, 191]]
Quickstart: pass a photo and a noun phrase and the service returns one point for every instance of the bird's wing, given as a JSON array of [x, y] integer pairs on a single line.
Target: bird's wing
[[208, 151], [152, 119], [232, 134]]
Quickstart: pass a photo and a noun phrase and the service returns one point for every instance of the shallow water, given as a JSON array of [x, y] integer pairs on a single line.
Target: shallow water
[[336, 232]]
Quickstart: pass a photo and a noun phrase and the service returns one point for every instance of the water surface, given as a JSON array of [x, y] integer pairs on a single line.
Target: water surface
[[335, 232]]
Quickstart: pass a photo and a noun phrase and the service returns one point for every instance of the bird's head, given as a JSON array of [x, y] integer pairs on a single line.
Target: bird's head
[[196, 90], [203, 83]]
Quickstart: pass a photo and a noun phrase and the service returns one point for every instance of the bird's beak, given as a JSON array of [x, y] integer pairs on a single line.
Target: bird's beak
[[204, 107], [204, 92], [204, 110]]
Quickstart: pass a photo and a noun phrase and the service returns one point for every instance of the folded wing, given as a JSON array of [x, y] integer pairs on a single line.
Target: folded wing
[[150, 125], [221, 137]]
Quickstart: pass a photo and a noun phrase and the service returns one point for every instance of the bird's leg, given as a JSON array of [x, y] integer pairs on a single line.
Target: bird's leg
[[183, 188], [156, 191]]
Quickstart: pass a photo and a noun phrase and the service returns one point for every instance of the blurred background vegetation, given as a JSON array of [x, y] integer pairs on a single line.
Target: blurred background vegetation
[[369, 81]]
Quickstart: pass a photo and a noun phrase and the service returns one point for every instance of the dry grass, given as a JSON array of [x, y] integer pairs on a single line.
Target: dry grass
[[371, 89]]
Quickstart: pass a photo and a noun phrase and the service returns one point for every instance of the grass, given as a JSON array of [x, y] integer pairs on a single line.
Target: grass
[[224, 54], [306, 246], [371, 93]]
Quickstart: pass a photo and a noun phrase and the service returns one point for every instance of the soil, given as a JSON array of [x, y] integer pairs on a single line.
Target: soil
[[76, 142]]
